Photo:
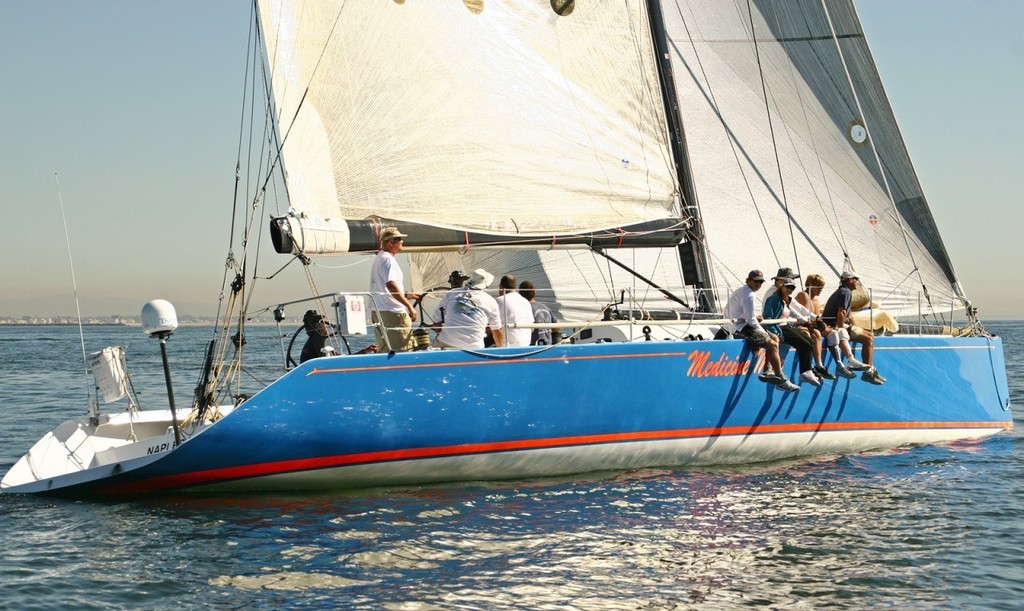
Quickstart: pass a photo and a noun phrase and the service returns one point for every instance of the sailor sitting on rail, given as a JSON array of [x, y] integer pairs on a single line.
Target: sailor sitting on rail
[[836, 314], [810, 299], [744, 307]]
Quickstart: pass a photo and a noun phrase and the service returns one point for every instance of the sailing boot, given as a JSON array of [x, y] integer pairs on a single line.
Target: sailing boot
[[810, 377], [823, 373], [856, 365], [786, 385], [872, 377]]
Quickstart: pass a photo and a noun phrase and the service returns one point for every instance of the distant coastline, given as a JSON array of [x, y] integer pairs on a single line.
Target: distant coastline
[[110, 321]]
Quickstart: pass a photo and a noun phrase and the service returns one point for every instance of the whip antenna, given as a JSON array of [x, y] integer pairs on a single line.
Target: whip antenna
[[74, 286]]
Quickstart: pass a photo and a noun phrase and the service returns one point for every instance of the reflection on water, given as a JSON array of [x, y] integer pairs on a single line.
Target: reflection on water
[[924, 527]]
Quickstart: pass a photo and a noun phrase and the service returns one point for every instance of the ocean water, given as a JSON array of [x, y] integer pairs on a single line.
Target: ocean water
[[926, 527]]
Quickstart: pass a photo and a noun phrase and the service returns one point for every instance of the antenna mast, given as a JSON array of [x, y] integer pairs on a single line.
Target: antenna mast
[[93, 407]]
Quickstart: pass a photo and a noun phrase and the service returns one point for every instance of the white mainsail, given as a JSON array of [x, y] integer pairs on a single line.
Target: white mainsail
[[502, 116], [507, 118], [795, 181]]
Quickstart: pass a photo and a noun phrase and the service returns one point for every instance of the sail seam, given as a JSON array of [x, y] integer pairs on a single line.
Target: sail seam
[[874, 150], [728, 133], [782, 39], [771, 130], [836, 228], [645, 89]]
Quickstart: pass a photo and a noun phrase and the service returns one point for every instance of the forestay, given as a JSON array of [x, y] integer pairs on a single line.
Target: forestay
[[500, 117]]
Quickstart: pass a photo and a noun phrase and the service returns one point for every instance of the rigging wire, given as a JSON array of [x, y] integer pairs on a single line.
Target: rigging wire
[[250, 59], [223, 371], [268, 166], [771, 131], [874, 150], [833, 227], [730, 137], [837, 227], [74, 286]]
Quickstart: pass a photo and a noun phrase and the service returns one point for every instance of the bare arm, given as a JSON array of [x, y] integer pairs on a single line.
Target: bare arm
[[840, 318], [498, 336]]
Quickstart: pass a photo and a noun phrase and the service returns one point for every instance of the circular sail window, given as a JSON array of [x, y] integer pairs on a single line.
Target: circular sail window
[[857, 133], [563, 7], [475, 6]]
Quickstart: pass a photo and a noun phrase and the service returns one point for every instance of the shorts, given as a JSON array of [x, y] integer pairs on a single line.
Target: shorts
[[755, 338], [399, 331], [857, 334]]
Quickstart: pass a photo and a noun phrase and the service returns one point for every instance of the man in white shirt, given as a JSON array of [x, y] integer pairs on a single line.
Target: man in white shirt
[[394, 311], [514, 308], [466, 313], [744, 307]]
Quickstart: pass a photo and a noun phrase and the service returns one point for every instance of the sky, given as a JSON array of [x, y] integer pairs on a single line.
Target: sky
[[135, 107]]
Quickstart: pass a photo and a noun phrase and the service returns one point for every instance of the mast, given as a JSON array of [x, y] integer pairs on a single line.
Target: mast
[[693, 252]]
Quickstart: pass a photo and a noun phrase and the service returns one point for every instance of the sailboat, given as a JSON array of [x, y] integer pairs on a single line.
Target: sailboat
[[633, 160]]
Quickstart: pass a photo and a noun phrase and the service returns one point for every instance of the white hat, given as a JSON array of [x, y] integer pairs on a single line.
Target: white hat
[[480, 279]]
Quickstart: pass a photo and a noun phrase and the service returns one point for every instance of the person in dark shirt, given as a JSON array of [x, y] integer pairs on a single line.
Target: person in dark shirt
[[541, 313], [836, 314]]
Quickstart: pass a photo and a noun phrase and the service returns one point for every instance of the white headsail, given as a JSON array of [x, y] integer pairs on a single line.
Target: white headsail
[[783, 150]]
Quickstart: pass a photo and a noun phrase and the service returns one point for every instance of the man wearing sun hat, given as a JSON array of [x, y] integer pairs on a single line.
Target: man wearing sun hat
[[836, 314], [392, 309], [466, 313]]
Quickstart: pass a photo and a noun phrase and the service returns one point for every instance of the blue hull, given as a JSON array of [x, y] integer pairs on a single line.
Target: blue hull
[[357, 421]]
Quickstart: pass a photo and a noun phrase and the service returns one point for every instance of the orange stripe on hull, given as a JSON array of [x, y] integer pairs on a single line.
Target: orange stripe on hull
[[306, 464]]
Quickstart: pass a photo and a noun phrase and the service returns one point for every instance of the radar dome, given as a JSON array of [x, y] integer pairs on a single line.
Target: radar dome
[[158, 316]]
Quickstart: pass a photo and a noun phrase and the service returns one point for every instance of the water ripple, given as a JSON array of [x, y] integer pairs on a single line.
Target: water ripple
[[938, 526]]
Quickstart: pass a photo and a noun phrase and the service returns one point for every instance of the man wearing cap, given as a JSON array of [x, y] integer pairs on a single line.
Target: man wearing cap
[[393, 309], [810, 299], [466, 313], [744, 307], [836, 314]]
